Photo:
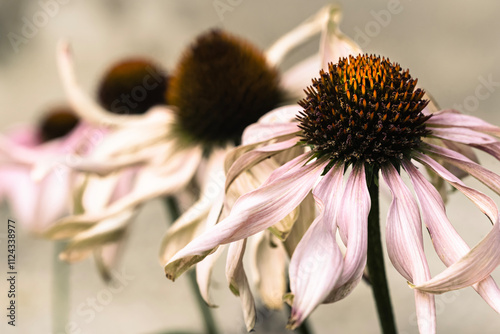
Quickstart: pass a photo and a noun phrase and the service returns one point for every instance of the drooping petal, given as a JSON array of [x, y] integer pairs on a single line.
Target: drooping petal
[[405, 245], [484, 175], [307, 213], [252, 213], [482, 259], [204, 274], [334, 44], [108, 231], [353, 215], [316, 264], [269, 262], [250, 159], [454, 118], [149, 184], [300, 34], [449, 246], [238, 282]]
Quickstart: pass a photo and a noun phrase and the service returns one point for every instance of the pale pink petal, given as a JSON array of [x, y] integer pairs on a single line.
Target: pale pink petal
[[300, 76], [453, 118], [250, 159], [284, 114], [150, 183], [406, 247], [261, 132], [479, 262], [252, 213], [484, 175], [353, 215], [21, 194], [334, 44], [449, 246], [238, 282], [204, 274], [316, 264], [307, 213], [269, 262], [463, 135]]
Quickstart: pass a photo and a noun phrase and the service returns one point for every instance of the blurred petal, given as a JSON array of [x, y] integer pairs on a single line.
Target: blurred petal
[[108, 231], [80, 102], [269, 262]]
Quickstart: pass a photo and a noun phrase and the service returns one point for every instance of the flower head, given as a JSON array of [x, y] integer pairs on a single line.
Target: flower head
[[364, 116], [37, 194], [221, 85]]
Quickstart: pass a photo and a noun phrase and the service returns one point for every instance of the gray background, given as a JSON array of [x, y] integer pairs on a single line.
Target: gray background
[[449, 45]]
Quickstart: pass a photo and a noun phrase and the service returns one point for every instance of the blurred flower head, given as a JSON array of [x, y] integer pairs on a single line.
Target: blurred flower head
[[362, 117], [35, 197], [221, 85]]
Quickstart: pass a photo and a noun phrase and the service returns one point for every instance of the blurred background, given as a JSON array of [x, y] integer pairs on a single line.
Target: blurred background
[[453, 47]]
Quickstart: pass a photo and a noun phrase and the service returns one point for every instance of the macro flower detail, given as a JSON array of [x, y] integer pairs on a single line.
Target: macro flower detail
[[211, 97], [364, 109], [363, 117]]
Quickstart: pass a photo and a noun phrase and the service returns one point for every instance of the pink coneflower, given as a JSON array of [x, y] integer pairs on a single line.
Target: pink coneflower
[[37, 198], [361, 118]]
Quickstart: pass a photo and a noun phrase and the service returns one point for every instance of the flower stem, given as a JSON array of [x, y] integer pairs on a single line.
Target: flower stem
[[375, 263], [210, 326], [60, 290]]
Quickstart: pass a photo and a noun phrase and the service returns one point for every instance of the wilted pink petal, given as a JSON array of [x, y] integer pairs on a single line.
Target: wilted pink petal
[[252, 213], [353, 218], [238, 282], [482, 259], [406, 247], [316, 263], [449, 246]]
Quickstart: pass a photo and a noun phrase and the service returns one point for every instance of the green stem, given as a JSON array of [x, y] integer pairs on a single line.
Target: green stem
[[60, 290], [211, 327], [375, 263]]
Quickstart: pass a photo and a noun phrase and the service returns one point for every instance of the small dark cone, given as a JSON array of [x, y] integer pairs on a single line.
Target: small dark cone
[[221, 85], [364, 109], [132, 87], [57, 123]]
